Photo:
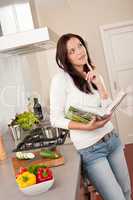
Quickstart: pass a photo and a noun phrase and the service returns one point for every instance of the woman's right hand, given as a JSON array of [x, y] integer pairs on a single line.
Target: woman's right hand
[[97, 123]]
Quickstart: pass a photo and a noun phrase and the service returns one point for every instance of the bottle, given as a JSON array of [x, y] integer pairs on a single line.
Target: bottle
[[37, 109], [30, 105]]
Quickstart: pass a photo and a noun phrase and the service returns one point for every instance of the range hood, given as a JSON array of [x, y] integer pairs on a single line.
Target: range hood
[[19, 31], [28, 41]]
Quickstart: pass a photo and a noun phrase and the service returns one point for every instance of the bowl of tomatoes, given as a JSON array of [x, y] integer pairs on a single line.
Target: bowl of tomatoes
[[35, 179]]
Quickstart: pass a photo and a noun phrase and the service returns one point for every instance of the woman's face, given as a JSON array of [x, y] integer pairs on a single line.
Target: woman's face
[[76, 52]]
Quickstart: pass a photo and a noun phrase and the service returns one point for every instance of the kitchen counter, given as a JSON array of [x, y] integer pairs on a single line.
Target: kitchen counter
[[66, 185]]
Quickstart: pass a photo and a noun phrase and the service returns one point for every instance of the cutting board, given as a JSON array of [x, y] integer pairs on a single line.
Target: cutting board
[[37, 160]]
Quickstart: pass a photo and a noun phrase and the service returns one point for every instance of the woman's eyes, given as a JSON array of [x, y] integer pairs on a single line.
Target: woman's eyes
[[79, 46], [72, 51]]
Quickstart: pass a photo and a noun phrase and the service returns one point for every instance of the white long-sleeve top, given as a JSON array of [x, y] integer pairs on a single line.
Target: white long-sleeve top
[[63, 94]]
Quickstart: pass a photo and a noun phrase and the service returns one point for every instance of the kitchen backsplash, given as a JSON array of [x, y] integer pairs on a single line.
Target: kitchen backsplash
[[16, 84]]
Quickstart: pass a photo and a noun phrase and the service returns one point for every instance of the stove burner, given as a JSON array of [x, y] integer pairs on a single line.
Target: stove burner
[[42, 137]]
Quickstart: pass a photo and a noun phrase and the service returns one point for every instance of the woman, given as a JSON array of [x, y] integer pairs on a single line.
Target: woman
[[78, 84]]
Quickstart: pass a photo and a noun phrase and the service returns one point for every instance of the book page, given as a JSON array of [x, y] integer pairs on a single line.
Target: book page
[[112, 107], [86, 114], [120, 96]]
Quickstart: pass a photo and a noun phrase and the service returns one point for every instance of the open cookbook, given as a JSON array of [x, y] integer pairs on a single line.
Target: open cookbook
[[84, 116]]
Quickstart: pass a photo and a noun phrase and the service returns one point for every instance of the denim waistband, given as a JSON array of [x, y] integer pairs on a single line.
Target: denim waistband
[[107, 136]]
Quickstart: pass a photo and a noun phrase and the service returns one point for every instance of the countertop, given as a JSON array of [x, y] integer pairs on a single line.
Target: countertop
[[66, 185]]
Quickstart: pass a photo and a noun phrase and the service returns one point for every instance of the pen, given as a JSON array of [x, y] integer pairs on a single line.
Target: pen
[[90, 68], [90, 84]]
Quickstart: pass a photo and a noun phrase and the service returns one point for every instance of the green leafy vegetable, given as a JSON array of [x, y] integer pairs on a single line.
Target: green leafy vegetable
[[26, 120]]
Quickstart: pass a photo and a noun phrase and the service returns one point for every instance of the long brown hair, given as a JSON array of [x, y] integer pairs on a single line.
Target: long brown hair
[[64, 63]]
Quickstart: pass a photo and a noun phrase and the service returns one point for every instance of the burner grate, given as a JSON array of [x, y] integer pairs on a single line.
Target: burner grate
[[42, 137]]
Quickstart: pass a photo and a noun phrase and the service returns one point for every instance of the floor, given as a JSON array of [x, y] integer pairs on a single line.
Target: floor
[[129, 158]]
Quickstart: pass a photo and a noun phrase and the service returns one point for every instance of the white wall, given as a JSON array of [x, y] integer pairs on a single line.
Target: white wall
[[11, 90], [19, 79], [47, 68], [82, 17]]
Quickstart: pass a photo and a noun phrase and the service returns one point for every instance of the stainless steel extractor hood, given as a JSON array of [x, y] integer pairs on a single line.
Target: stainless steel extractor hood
[[20, 33], [28, 41]]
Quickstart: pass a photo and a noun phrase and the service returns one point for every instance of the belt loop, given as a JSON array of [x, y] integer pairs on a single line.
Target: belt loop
[[107, 136]]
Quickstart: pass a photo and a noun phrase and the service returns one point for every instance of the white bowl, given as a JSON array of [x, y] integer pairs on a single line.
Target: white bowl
[[38, 188]]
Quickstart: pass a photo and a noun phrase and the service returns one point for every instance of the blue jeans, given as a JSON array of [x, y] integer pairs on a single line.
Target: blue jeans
[[105, 166]]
